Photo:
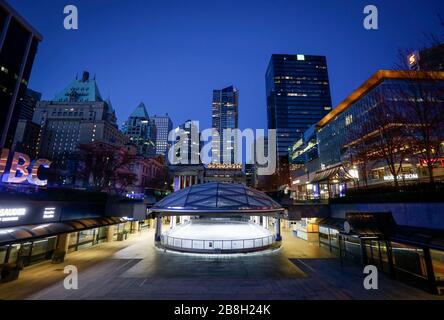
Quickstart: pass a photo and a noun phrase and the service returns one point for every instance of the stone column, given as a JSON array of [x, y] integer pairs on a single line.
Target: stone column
[[110, 234], [135, 226], [61, 249], [158, 232], [265, 222], [278, 229]]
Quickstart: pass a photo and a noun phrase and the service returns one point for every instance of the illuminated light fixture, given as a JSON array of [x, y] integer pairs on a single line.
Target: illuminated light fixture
[[300, 57]]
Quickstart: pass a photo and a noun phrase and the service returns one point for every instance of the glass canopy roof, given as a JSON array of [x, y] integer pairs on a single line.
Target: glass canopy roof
[[217, 197]]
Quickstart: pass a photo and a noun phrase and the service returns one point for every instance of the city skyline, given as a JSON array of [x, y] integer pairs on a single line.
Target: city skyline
[[191, 71], [342, 199]]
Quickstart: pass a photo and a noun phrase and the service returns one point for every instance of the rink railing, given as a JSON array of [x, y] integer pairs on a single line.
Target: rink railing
[[216, 245]]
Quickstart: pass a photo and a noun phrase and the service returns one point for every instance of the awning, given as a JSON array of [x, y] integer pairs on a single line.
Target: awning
[[31, 232], [421, 237], [335, 173], [371, 224], [332, 223]]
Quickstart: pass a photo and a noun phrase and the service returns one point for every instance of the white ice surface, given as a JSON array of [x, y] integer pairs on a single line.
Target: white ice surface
[[199, 230]]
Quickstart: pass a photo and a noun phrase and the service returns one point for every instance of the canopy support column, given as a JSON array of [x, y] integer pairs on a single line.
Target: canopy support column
[[278, 229], [158, 232]]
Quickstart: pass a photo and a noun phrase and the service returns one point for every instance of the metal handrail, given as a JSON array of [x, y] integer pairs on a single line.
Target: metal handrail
[[165, 240]]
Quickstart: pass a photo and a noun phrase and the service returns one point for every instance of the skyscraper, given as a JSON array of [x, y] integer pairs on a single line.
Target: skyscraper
[[298, 96], [76, 115], [164, 125], [187, 151], [18, 47], [141, 131], [224, 116], [27, 132]]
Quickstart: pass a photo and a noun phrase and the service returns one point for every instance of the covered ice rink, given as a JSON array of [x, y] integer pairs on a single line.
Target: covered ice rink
[[218, 218], [219, 236]]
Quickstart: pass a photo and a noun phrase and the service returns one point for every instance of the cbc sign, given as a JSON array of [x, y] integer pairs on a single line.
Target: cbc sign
[[21, 168]]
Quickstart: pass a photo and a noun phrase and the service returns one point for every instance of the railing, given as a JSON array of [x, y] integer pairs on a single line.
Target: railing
[[216, 245]]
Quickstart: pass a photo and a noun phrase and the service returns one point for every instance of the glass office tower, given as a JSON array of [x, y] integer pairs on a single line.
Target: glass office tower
[[224, 116], [298, 96], [163, 125], [18, 47]]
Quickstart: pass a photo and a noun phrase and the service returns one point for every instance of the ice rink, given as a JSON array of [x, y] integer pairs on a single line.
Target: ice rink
[[216, 230]]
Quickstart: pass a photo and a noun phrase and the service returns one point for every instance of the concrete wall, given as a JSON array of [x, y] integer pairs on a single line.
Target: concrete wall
[[424, 215]]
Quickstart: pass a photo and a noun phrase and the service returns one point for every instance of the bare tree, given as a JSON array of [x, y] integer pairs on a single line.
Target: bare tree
[[423, 102], [423, 115], [104, 167], [358, 149]]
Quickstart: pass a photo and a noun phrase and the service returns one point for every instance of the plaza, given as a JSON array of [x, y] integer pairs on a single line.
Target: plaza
[[136, 269]]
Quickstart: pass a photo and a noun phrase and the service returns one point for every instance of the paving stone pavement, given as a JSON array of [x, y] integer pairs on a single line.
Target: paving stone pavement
[[299, 270]]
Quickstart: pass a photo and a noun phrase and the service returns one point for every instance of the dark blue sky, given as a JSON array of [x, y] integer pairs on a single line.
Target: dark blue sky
[[172, 54]]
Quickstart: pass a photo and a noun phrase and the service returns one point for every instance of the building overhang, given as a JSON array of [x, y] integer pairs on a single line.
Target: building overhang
[[372, 82]]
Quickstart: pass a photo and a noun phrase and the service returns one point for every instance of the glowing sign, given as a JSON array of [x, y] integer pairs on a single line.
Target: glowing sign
[[409, 176], [412, 60], [11, 214], [49, 213], [21, 168]]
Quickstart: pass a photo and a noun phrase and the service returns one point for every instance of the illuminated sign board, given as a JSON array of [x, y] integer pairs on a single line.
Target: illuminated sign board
[[409, 176], [21, 168], [32, 212], [11, 214], [413, 60]]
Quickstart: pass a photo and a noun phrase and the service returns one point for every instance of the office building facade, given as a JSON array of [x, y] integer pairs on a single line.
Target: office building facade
[[27, 132], [298, 96], [18, 46], [326, 161], [141, 131], [163, 126], [429, 59], [225, 116], [75, 116]]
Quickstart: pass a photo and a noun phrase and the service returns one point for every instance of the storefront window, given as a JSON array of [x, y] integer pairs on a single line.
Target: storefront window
[[334, 238], [13, 253], [102, 235], [118, 229], [353, 247], [409, 259], [42, 249], [72, 242], [438, 264], [86, 238], [3, 252]]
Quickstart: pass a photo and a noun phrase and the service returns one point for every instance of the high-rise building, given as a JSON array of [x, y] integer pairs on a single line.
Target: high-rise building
[[141, 131], [164, 125], [27, 132], [224, 116], [430, 59], [187, 152], [27, 104], [76, 115], [298, 96], [18, 47]]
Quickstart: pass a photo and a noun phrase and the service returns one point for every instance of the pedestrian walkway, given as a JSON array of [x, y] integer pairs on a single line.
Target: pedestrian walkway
[[135, 269]]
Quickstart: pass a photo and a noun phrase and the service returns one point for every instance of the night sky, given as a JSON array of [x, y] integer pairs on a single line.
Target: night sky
[[172, 54]]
